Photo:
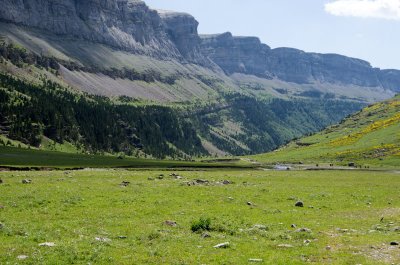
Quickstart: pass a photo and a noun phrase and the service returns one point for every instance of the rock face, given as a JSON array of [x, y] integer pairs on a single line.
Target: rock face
[[300, 67], [182, 30], [128, 25], [236, 54], [249, 56]]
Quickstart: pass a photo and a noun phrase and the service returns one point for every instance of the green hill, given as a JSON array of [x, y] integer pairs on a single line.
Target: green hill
[[369, 137]]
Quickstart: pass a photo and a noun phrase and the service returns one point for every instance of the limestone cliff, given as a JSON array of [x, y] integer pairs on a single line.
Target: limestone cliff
[[128, 25], [249, 56]]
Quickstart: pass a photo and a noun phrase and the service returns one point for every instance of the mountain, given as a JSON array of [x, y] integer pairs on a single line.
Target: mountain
[[235, 95], [368, 137]]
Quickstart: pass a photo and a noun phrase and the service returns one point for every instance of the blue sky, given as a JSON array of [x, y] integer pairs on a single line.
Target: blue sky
[[365, 29]]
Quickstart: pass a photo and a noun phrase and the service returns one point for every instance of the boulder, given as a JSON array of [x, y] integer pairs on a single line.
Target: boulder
[[299, 204]]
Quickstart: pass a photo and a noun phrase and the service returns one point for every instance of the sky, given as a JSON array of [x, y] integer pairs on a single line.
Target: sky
[[365, 29]]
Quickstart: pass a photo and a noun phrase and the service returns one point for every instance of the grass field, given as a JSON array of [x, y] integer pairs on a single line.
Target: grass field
[[92, 219], [30, 158]]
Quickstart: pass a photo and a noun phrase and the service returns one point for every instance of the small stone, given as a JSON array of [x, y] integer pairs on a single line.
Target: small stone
[[22, 257], [160, 177], [178, 177], [293, 226], [47, 244], [201, 181], [249, 203], [303, 230], [299, 204], [328, 248], [307, 241], [394, 243], [150, 178], [171, 223], [226, 182], [102, 239], [255, 260], [2, 207], [222, 245], [26, 181], [230, 198], [125, 183], [285, 246], [205, 235], [122, 237], [260, 227]]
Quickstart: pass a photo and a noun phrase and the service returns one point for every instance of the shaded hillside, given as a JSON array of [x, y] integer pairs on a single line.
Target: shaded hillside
[[370, 136]]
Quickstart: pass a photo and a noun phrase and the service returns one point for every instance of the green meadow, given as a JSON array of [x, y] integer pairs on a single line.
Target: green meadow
[[88, 217]]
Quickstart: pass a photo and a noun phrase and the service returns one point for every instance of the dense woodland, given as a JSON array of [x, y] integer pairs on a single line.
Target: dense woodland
[[268, 124], [28, 112]]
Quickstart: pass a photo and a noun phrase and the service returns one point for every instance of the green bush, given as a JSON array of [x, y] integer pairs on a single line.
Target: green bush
[[203, 224]]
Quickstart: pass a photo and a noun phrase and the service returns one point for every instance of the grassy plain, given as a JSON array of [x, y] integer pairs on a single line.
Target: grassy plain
[[30, 158], [342, 209]]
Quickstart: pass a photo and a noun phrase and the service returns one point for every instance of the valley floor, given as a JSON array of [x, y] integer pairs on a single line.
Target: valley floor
[[88, 217]]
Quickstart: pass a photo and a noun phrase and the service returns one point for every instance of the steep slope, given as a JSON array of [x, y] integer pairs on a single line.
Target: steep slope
[[371, 136]]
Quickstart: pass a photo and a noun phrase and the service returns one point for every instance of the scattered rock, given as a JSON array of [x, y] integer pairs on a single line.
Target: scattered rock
[[293, 226], [173, 175], [222, 245], [255, 260], [299, 204], [171, 223], [160, 176], [178, 177], [22, 257], [226, 182], [2, 207], [201, 181], [303, 230], [396, 229], [328, 248], [26, 181], [285, 246], [102, 239], [122, 237], [125, 183], [394, 243], [205, 235], [150, 178], [307, 241], [47, 244], [249, 203], [230, 198], [260, 227]]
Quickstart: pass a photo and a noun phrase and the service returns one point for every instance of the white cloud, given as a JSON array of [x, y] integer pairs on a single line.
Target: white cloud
[[386, 9]]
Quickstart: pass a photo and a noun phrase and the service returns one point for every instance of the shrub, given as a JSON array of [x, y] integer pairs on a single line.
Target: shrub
[[203, 224]]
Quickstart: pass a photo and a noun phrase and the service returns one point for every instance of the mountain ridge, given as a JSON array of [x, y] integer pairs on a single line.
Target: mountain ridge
[[133, 26]]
